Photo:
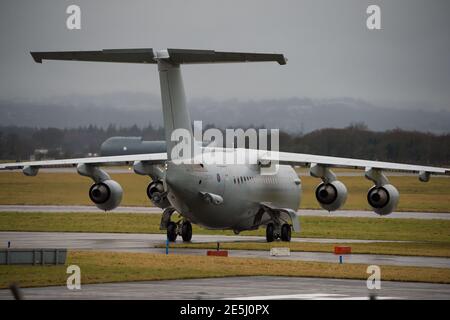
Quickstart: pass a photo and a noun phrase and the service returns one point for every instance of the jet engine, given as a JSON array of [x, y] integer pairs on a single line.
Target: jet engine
[[157, 195], [106, 194], [331, 196], [383, 199]]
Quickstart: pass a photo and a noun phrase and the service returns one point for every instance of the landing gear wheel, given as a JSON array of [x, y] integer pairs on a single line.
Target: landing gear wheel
[[270, 232], [172, 231], [186, 231], [285, 232]]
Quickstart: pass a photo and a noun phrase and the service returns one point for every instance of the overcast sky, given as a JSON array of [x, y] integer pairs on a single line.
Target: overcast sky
[[331, 52]]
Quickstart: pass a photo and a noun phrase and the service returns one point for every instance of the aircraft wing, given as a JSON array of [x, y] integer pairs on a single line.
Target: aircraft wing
[[152, 158], [302, 159]]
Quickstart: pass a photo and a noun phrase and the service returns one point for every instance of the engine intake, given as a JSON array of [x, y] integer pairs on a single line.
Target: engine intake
[[106, 195], [384, 199], [331, 196], [157, 195]]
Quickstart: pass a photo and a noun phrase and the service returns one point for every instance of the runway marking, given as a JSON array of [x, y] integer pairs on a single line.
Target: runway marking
[[311, 296]]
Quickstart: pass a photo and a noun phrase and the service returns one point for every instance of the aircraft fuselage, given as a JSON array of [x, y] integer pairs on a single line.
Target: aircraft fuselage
[[241, 187]]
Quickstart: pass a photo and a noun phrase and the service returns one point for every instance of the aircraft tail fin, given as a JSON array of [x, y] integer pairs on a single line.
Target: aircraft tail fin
[[175, 113]]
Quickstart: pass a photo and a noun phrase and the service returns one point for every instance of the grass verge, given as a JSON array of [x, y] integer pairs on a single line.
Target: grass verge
[[72, 189], [312, 227], [102, 267]]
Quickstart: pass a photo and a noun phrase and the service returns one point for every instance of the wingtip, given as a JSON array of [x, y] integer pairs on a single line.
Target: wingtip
[[36, 57], [282, 61]]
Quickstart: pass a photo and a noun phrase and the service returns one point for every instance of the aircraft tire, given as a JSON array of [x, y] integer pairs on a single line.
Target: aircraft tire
[[286, 232], [270, 232], [186, 231], [172, 231]]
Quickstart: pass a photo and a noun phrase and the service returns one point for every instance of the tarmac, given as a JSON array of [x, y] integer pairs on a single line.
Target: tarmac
[[241, 288], [147, 242], [238, 288], [155, 210]]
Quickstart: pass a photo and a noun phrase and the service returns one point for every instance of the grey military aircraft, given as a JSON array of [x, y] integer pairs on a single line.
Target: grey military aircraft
[[116, 146], [219, 196]]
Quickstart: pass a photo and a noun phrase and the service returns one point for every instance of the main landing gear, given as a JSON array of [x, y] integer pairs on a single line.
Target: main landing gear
[[283, 232], [183, 228]]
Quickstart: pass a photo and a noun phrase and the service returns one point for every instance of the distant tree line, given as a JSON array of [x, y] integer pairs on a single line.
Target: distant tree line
[[19, 143], [356, 141]]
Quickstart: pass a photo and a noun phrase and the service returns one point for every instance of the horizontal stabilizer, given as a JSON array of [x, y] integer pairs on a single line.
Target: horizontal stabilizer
[[184, 56], [113, 55], [173, 56]]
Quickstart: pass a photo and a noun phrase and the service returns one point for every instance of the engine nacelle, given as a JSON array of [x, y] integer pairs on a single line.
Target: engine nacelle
[[106, 195], [331, 196], [384, 199], [157, 195]]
